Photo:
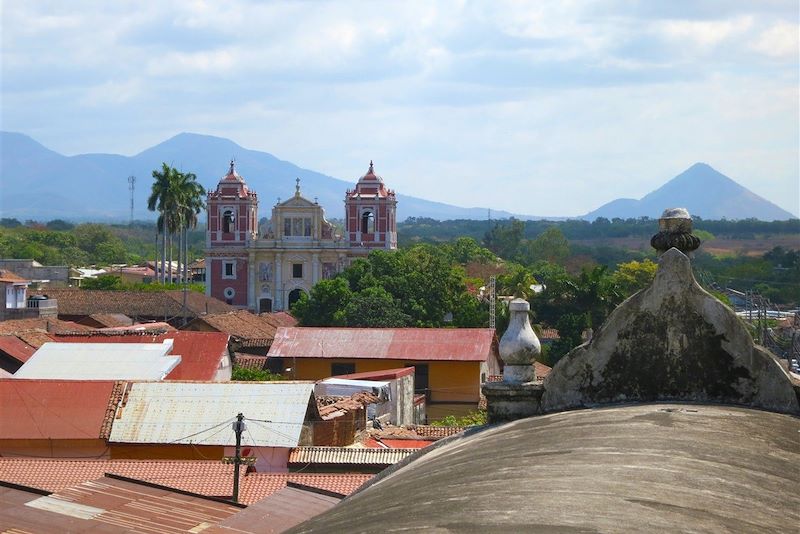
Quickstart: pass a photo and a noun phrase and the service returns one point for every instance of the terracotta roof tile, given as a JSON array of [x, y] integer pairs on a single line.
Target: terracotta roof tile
[[110, 320], [51, 325], [167, 304], [34, 338], [249, 329], [339, 456], [437, 432], [10, 277], [549, 334], [210, 478], [249, 361]]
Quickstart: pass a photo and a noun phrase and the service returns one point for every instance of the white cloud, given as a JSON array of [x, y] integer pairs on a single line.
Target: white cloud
[[782, 40]]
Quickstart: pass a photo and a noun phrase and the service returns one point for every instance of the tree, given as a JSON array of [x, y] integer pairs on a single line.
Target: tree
[[178, 198], [633, 276], [326, 304], [104, 281], [516, 283], [375, 308], [504, 239], [550, 245]]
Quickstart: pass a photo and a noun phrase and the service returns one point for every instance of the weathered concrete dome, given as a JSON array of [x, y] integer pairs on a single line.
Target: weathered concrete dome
[[644, 468]]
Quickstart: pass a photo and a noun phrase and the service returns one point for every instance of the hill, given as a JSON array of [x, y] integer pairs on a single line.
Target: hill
[[38, 183], [704, 191]]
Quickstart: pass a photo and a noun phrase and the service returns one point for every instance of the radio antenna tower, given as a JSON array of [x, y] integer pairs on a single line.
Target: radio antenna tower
[[131, 187], [492, 302]]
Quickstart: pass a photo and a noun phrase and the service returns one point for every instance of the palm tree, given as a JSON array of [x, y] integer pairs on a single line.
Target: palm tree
[[160, 199], [179, 199]]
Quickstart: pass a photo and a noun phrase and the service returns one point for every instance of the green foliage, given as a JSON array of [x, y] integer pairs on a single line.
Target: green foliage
[[326, 304], [550, 245], [517, 282], [475, 418], [505, 238], [633, 276], [244, 374], [103, 281], [466, 250], [374, 307], [7, 222]]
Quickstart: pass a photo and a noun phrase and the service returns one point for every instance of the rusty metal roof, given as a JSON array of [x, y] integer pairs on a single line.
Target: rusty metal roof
[[109, 504], [202, 413], [16, 348], [53, 409], [409, 344], [347, 456]]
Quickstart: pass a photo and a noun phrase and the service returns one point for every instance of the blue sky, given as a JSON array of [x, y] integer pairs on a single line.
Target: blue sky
[[546, 108]]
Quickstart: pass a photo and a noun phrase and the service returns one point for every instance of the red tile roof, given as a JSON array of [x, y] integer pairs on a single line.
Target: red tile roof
[[410, 344], [17, 326], [541, 370], [34, 338], [249, 361], [246, 328], [110, 320], [437, 432], [549, 334], [162, 304], [340, 456], [200, 352], [11, 278], [256, 486], [388, 374], [16, 348], [210, 478], [53, 409]]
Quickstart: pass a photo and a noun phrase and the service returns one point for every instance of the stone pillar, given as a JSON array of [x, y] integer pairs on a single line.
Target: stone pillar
[[315, 269], [278, 299], [251, 282], [518, 395]]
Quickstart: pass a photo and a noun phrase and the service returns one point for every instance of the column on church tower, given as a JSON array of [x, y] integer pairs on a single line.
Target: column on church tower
[[315, 269], [251, 282], [278, 282]]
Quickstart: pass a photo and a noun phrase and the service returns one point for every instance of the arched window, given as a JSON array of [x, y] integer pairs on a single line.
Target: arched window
[[367, 223], [228, 220], [294, 296]]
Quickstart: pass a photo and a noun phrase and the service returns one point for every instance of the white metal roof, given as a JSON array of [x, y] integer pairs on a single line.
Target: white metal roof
[[100, 361], [202, 413]]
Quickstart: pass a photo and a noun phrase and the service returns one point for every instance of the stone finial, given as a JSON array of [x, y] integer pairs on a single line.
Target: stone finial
[[297, 187], [519, 346], [675, 231]]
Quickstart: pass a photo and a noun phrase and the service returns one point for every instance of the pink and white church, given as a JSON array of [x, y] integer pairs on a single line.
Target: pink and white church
[[266, 269]]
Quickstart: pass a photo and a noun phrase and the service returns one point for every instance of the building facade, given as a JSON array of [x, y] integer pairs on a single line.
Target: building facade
[[267, 269]]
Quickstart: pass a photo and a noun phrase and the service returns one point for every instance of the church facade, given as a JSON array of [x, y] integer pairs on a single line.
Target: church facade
[[267, 269]]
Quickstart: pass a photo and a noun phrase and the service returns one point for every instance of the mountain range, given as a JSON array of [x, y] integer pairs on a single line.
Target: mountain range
[[41, 184]]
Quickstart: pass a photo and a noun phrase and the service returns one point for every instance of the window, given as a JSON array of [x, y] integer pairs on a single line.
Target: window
[[228, 220], [297, 227], [275, 365], [342, 369], [229, 269], [297, 270], [367, 223]]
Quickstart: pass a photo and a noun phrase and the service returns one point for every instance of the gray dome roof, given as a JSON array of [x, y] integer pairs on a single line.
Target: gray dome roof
[[643, 468]]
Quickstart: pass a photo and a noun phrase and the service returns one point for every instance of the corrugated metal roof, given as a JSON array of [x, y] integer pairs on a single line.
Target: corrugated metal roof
[[347, 456], [409, 344], [200, 352], [100, 361], [53, 409], [109, 504], [16, 348], [202, 413]]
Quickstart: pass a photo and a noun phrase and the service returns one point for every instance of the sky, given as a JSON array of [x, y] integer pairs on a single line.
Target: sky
[[542, 108]]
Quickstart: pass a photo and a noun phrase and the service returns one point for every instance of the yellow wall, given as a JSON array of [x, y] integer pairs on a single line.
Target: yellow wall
[[449, 381]]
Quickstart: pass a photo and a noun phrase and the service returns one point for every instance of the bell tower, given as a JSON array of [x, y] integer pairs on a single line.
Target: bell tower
[[371, 214], [232, 224]]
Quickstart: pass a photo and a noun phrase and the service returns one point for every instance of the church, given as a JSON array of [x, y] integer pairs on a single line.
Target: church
[[267, 269]]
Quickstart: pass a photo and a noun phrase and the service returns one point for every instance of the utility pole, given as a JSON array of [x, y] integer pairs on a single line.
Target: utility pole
[[131, 187], [238, 426]]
